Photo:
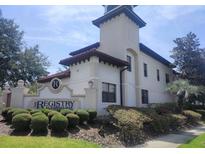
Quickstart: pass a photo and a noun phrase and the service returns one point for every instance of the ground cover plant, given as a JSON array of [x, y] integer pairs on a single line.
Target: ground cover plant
[[136, 124]]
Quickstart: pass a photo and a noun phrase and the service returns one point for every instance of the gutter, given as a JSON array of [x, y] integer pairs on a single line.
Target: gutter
[[121, 94]]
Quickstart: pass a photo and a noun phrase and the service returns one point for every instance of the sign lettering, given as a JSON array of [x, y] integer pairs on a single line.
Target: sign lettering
[[54, 104]]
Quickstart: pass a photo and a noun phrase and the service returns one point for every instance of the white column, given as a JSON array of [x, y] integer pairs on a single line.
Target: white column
[[5, 93], [17, 97], [91, 95]]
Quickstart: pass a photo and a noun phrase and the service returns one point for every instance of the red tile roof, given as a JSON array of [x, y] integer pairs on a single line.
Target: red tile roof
[[93, 52], [59, 75]]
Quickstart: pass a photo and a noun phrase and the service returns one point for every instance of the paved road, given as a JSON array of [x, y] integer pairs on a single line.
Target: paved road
[[173, 140]]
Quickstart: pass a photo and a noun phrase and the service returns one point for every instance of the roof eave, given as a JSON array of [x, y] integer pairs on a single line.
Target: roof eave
[[115, 12]]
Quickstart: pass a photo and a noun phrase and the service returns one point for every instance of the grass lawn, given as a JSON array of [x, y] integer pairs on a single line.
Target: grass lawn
[[43, 142], [198, 142]]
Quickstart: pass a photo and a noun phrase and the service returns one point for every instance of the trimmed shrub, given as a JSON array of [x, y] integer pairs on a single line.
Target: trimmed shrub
[[21, 122], [202, 112], [29, 110], [5, 112], [165, 108], [73, 120], [19, 112], [39, 123], [160, 124], [10, 112], [38, 113], [51, 114], [58, 123], [83, 115], [35, 111], [130, 122], [46, 111], [66, 111], [92, 114], [177, 121], [192, 117]]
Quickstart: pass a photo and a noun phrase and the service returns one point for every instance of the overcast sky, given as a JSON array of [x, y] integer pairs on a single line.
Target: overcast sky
[[59, 30]]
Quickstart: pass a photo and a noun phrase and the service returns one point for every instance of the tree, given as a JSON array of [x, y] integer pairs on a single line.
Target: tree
[[182, 89], [190, 58], [31, 66], [18, 61], [10, 47]]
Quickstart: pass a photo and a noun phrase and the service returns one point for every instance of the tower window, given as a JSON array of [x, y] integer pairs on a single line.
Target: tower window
[[145, 70], [129, 60], [158, 77]]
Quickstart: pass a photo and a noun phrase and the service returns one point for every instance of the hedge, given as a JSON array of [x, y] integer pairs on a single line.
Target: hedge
[[19, 112], [165, 108], [45, 111], [58, 123], [35, 111], [39, 123], [192, 117], [202, 112], [21, 122], [177, 121], [130, 123], [5, 112], [11, 111], [92, 114], [38, 113], [51, 114], [73, 120], [66, 111], [83, 115]]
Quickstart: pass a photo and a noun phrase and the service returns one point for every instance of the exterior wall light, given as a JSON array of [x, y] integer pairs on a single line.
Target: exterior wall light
[[90, 83]]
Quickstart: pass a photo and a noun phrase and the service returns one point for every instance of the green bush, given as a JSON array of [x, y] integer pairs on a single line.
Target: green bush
[[39, 123], [58, 123], [73, 120], [51, 114], [202, 112], [35, 111], [5, 112], [66, 111], [160, 124], [19, 112], [83, 115], [46, 111], [92, 114], [192, 117], [165, 108], [21, 122], [29, 110], [130, 122], [177, 121], [38, 113], [10, 113]]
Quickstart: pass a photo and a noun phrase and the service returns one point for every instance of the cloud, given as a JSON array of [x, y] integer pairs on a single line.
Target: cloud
[[56, 14], [163, 25], [173, 12], [73, 37]]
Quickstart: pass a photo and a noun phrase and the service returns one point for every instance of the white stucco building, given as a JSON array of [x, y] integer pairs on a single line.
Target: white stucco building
[[120, 68], [116, 70]]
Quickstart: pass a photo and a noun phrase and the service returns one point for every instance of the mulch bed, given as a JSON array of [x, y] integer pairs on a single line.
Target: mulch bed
[[105, 135]]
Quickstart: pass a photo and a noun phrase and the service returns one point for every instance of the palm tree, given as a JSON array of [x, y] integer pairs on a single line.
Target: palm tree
[[182, 89]]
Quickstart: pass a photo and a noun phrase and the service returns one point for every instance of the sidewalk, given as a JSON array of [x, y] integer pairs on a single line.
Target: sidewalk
[[173, 140]]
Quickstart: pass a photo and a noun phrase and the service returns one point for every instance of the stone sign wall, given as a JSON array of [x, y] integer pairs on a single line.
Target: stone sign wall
[[54, 95]]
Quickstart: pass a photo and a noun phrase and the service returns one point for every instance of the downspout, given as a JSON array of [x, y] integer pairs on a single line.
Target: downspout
[[121, 94]]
